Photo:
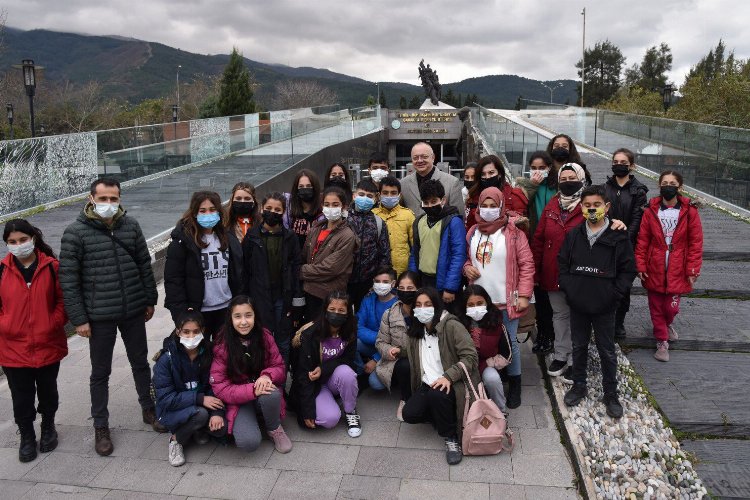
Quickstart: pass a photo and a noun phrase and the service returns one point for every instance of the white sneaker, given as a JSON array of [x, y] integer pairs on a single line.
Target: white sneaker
[[176, 455], [352, 421], [400, 411]]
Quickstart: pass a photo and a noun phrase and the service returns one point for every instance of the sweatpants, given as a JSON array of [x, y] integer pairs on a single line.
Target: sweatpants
[[342, 383], [604, 337], [101, 347], [199, 421], [663, 309], [494, 385], [561, 322], [246, 430], [26, 384], [431, 405], [401, 377]]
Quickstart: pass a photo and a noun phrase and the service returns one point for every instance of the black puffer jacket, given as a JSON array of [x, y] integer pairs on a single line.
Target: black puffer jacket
[[627, 203], [184, 284], [101, 280]]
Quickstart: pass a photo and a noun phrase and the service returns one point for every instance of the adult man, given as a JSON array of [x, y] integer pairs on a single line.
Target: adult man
[[107, 282], [423, 159]]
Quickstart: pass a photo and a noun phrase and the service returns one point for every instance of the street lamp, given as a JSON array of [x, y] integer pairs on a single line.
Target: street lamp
[[179, 66], [9, 108], [666, 96], [29, 81], [551, 89], [175, 109]]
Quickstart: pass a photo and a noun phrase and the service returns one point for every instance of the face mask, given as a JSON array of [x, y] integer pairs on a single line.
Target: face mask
[[433, 212], [668, 192], [424, 314], [191, 343], [272, 218], [338, 181], [569, 188], [544, 172], [208, 220], [23, 250], [476, 313], [560, 154], [596, 214], [389, 201], [243, 207], [378, 174], [335, 319], [407, 296], [332, 213], [106, 210], [620, 170], [382, 289], [469, 184], [305, 194], [490, 182], [363, 203], [489, 214]]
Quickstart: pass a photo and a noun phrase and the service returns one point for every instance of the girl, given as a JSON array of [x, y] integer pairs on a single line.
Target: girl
[[499, 259], [242, 211], [493, 342], [248, 374], [271, 263], [325, 368], [437, 342], [469, 182], [338, 175], [393, 365], [185, 403], [490, 173], [32, 333], [328, 254], [563, 150], [668, 256], [203, 269], [304, 205]]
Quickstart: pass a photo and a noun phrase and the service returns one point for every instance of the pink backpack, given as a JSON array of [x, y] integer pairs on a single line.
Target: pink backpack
[[485, 430]]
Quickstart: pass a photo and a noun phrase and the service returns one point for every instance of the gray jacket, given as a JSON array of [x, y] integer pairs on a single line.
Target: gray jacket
[[453, 197]]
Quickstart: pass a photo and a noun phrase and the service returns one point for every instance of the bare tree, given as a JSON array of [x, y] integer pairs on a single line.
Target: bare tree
[[293, 94]]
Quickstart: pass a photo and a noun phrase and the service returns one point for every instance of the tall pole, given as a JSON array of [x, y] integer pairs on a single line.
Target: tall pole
[[583, 55], [178, 87]]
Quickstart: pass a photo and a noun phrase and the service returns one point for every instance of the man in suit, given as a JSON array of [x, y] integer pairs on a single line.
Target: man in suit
[[423, 159]]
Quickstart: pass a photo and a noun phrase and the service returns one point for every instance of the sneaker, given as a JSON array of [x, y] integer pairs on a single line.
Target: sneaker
[[201, 437], [673, 334], [453, 454], [567, 376], [352, 421], [102, 441], [176, 454], [662, 351], [149, 417], [613, 406], [557, 367], [281, 441], [400, 411], [575, 394]]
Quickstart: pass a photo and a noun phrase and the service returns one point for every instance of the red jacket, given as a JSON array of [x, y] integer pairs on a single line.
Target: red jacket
[[515, 200], [32, 320], [685, 257], [235, 395], [548, 239], [491, 343]]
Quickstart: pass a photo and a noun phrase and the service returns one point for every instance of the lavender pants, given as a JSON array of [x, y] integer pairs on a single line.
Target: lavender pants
[[343, 383]]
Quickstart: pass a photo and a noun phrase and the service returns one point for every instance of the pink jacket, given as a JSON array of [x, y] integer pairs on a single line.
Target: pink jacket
[[519, 266], [235, 395]]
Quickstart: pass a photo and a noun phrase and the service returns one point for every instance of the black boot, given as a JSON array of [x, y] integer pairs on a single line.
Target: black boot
[[620, 325], [48, 440], [27, 450], [514, 392], [539, 344]]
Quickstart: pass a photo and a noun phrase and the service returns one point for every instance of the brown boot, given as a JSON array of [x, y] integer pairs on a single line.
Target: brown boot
[[149, 417], [103, 443]]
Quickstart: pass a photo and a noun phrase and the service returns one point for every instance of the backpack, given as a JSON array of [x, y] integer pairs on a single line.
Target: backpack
[[485, 430]]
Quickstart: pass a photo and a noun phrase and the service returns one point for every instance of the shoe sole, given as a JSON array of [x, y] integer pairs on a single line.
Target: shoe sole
[[557, 373], [354, 435], [27, 459], [48, 448], [104, 453]]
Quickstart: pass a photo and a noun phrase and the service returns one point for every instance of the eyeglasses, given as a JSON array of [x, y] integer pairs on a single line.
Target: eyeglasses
[[421, 157]]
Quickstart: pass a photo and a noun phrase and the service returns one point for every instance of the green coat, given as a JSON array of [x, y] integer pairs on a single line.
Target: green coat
[[101, 280]]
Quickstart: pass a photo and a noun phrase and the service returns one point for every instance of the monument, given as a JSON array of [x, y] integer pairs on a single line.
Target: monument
[[432, 88]]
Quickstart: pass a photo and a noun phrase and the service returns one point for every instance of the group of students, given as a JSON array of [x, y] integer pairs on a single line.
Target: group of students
[[390, 284]]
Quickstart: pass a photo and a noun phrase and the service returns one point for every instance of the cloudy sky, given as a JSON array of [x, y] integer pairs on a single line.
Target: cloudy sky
[[384, 40]]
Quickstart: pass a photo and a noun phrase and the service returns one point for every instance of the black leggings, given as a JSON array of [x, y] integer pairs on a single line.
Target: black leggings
[[402, 377], [213, 321]]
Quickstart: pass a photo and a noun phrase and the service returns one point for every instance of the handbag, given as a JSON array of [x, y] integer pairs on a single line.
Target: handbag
[[485, 429]]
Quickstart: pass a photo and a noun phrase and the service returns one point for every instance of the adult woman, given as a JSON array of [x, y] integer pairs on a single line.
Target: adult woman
[[490, 173], [470, 179], [203, 269], [563, 150], [499, 259], [248, 374], [338, 176], [303, 205], [32, 334], [437, 343], [668, 256], [242, 211]]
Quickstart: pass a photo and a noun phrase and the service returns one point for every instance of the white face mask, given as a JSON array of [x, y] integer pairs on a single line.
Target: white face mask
[[489, 214], [476, 313], [382, 289], [332, 213], [191, 343], [378, 174], [424, 314], [22, 250], [106, 210]]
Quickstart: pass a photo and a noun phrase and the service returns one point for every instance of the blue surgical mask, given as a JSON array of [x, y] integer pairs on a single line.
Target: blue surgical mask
[[389, 201], [208, 220], [363, 203]]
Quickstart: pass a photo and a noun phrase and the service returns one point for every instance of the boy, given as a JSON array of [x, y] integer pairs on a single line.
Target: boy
[[399, 220], [370, 313], [378, 167], [597, 268], [439, 249]]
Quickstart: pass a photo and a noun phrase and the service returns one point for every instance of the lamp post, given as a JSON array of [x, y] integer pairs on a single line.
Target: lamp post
[[666, 96], [9, 108], [179, 66], [551, 89], [175, 110], [583, 55], [29, 81]]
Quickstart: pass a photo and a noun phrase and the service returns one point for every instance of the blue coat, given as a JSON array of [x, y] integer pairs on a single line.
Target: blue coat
[[368, 319], [452, 254]]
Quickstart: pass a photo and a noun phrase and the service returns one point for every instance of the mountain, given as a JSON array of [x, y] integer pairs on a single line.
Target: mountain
[[136, 70]]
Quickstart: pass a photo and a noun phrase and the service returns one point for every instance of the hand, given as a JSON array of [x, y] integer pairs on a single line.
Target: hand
[[213, 403], [442, 383], [536, 177], [215, 423], [448, 297], [692, 279], [618, 225], [522, 304], [643, 276], [315, 374], [472, 272], [149, 313], [393, 352], [370, 366], [310, 423], [84, 330], [264, 385]]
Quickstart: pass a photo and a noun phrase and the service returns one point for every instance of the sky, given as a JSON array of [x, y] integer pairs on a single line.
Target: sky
[[385, 40]]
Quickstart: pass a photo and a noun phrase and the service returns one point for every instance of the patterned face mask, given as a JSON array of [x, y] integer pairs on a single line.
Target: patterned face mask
[[596, 214]]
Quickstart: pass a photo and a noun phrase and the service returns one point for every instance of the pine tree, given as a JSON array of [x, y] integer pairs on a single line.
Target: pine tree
[[402, 103], [383, 104], [236, 95], [414, 103], [449, 99]]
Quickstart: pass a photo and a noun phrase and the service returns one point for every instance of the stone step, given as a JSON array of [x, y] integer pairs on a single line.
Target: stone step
[[719, 279]]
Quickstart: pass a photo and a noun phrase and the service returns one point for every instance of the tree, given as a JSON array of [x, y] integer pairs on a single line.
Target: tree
[[292, 94], [603, 67], [636, 100], [652, 72], [519, 103], [414, 102], [383, 103], [449, 98], [402, 103], [370, 101], [236, 96]]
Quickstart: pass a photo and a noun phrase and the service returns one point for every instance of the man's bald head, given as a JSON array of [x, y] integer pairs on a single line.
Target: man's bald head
[[423, 158]]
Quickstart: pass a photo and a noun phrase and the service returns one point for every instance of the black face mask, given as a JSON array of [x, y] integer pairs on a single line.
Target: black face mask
[[433, 212], [569, 188], [305, 194], [272, 218], [668, 192], [337, 181], [469, 184], [335, 319], [620, 170], [489, 182], [560, 154], [243, 208], [408, 297]]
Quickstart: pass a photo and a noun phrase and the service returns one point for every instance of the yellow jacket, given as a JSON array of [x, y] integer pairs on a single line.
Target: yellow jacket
[[399, 221]]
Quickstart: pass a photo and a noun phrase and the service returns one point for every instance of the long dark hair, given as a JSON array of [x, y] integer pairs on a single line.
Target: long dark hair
[[415, 278], [231, 218], [573, 157], [190, 224], [416, 330], [195, 317], [25, 227], [243, 361], [551, 180], [348, 188], [347, 331], [494, 316], [295, 204], [483, 162]]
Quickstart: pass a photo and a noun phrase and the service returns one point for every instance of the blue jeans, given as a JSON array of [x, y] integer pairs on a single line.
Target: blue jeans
[[514, 368], [375, 383], [363, 351]]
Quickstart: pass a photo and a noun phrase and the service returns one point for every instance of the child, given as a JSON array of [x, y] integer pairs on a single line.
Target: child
[[597, 269], [399, 221], [378, 167], [185, 402], [303, 205], [242, 211], [248, 374], [669, 256], [370, 313]]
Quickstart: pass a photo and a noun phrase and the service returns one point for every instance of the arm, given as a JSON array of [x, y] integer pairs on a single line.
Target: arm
[[457, 254], [174, 277], [414, 255], [168, 397], [224, 388], [695, 243], [636, 213], [59, 318], [332, 265], [465, 349], [71, 262], [383, 339], [144, 266], [625, 267], [563, 258], [275, 368], [644, 240], [384, 246], [537, 247], [365, 318], [455, 197], [295, 262]]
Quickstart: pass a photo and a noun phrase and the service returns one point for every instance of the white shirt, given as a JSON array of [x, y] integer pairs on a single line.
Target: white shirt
[[668, 217], [215, 264], [488, 254], [429, 354]]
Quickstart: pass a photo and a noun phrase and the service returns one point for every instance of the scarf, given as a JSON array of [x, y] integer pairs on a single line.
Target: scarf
[[569, 203], [492, 227]]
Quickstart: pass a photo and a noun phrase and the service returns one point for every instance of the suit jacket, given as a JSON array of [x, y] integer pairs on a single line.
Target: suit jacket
[[453, 197]]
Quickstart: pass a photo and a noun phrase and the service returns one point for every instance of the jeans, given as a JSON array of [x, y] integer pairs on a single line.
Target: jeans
[[494, 386], [343, 383], [514, 368], [101, 346], [246, 430], [604, 336], [363, 351], [26, 384], [432, 405], [561, 320], [663, 309], [199, 421]]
